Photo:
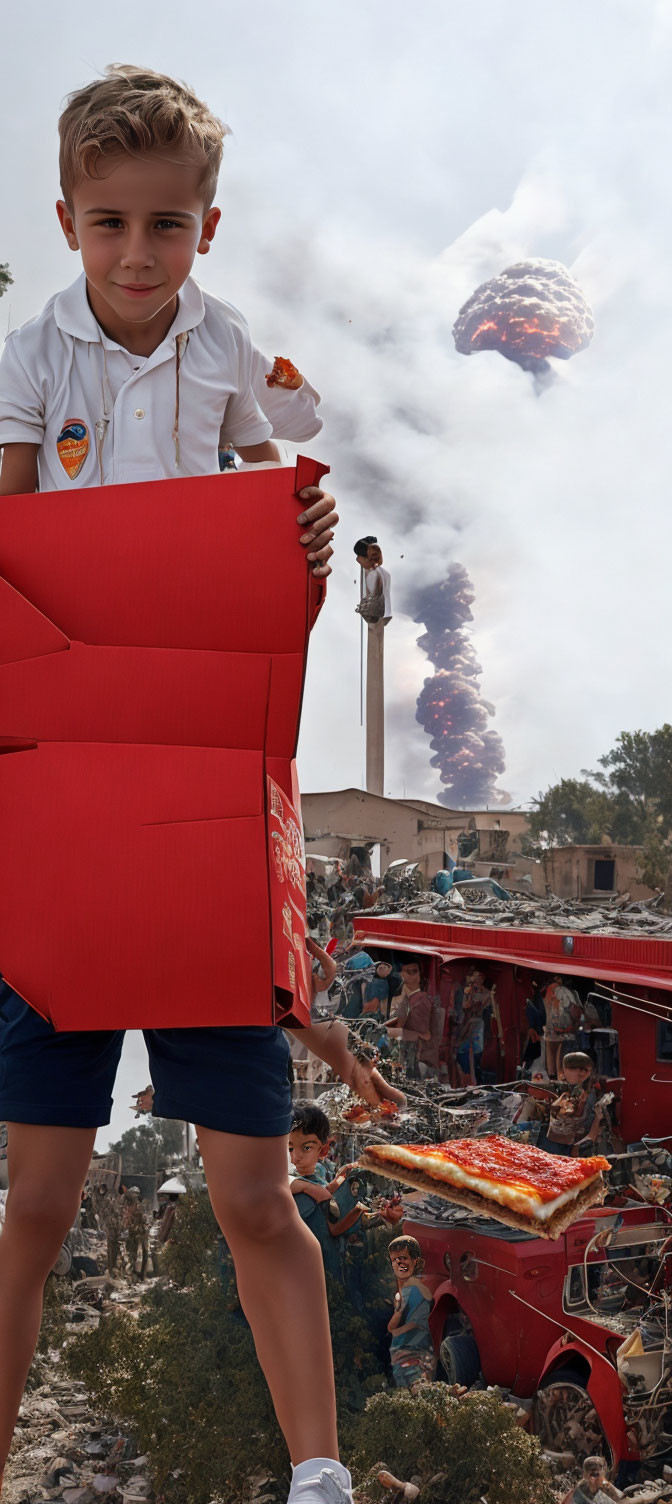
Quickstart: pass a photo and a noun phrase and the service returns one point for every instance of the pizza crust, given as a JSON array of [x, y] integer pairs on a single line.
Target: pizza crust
[[592, 1195]]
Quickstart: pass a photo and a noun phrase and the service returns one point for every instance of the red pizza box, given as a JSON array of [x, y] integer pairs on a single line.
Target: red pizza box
[[153, 642]]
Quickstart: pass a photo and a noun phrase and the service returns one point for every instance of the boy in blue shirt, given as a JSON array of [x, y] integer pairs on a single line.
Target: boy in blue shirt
[[309, 1143], [134, 374]]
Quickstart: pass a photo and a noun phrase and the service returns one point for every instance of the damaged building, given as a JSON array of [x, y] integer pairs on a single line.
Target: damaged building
[[491, 843], [341, 821]]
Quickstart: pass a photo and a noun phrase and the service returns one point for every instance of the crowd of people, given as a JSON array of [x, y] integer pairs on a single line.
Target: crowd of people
[[134, 1233], [445, 1038]]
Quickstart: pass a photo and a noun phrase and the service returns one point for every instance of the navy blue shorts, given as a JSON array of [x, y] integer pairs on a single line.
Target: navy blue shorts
[[233, 1080]]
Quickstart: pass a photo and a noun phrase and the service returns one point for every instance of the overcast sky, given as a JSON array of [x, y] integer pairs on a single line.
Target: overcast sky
[[385, 159]]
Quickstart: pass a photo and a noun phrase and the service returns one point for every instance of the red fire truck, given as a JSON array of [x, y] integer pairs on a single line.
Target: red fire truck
[[549, 1320], [633, 972]]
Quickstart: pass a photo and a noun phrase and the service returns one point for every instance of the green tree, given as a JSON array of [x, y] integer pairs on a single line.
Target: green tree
[[572, 812], [6, 277], [639, 769], [628, 799], [149, 1146], [655, 868]]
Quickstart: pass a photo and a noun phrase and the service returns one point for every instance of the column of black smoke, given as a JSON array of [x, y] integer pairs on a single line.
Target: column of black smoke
[[450, 706]]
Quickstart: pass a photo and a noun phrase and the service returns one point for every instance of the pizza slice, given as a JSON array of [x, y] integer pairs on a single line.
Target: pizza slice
[[361, 1112], [513, 1182], [284, 374]]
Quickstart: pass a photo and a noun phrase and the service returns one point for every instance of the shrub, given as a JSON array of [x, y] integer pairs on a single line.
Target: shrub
[[463, 1450], [191, 1254], [185, 1378]]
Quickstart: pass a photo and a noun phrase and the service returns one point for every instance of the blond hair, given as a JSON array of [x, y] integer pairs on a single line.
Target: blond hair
[[135, 110]]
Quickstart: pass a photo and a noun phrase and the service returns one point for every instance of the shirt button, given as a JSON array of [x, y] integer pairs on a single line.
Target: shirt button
[[139, 412]]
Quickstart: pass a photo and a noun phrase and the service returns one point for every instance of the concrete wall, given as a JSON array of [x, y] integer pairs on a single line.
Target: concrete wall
[[410, 828], [570, 871]]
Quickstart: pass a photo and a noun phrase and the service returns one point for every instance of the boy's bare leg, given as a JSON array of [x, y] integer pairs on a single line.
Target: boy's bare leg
[[281, 1284], [47, 1169]]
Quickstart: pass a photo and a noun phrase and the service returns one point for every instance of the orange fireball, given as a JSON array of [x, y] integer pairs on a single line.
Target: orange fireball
[[529, 311]]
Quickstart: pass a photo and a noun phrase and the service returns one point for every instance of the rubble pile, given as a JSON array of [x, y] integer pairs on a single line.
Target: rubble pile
[[615, 916], [62, 1450], [433, 1114]]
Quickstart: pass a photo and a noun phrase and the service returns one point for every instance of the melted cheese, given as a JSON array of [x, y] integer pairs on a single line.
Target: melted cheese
[[526, 1202]]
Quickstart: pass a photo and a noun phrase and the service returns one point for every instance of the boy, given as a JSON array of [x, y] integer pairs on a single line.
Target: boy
[[412, 1017], [594, 1487], [474, 1002], [133, 374], [575, 1116], [309, 1141], [377, 990], [562, 1017], [412, 1354]]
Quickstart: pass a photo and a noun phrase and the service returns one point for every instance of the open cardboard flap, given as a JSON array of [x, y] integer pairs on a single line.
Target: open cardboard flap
[[151, 677]]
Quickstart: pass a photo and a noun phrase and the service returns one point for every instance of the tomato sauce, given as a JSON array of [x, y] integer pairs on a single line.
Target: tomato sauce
[[509, 1163]]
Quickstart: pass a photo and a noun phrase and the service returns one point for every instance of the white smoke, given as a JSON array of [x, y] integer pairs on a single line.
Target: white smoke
[[553, 503]]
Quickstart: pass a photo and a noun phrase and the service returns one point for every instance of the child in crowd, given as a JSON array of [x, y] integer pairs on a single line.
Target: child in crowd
[[575, 1116], [476, 1004], [411, 1350], [358, 969], [563, 1013], [381, 987], [411, 1017], [595, 1487], [135, 374], [309, 1143]]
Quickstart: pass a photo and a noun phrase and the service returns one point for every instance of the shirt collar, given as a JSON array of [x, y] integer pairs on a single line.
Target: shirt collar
[[74, 316]]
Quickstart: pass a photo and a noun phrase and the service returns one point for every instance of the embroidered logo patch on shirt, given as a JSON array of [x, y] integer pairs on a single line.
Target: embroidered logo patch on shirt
[[73, 446]]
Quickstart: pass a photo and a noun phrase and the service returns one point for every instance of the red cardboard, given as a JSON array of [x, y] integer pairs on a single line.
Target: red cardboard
[[153, 642]]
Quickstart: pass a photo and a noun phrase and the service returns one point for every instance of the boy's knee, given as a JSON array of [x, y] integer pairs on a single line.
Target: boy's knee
[[42, 1215], [257, 1213]]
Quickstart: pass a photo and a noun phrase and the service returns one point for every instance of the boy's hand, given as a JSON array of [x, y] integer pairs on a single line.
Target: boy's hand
[[299, 1187], [368, 1083], [321, 519], [319, 1192]]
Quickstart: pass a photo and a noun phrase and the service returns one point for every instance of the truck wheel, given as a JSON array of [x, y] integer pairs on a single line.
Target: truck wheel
[[63, 1263], [459, 1362], [565, 1418]]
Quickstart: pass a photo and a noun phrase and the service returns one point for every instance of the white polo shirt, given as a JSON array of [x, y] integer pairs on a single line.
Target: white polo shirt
[[293, 414], [102, 415]]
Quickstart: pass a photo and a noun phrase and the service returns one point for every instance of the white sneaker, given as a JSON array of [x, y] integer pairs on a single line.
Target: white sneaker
[[320, 1481]]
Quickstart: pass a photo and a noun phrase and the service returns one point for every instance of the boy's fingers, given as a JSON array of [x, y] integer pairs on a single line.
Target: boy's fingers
[[322, 503], [314, 493], [320, 549], [321, 524], [321, 557]]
